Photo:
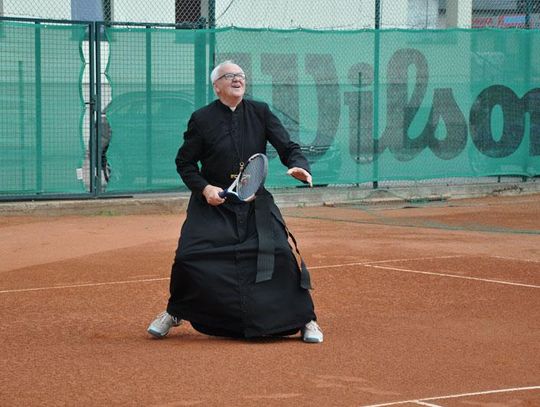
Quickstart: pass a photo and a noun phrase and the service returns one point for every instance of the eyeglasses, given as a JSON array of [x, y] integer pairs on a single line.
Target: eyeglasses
[[231, 76]]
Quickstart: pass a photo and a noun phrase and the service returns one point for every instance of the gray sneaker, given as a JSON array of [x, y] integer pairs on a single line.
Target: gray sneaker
[[162, 324], [312, 333]]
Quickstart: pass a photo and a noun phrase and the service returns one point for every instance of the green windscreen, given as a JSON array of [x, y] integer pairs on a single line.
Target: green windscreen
[[399, 104], [41, 108], [364, 105], [157, 79]]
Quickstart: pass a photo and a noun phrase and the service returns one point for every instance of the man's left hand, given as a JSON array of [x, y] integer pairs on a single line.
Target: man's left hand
[[301, 174]]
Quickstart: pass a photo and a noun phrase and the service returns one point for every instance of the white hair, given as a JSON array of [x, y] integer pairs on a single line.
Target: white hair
[[215, 72]]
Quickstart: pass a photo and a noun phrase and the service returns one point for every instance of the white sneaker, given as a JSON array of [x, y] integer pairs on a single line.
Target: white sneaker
[[312, 333], [162, 324]]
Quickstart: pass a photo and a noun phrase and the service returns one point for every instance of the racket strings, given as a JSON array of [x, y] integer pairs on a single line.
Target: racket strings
[[251, 178]]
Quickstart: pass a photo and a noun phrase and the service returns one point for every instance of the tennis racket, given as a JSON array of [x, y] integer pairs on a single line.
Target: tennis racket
[[249, 180]]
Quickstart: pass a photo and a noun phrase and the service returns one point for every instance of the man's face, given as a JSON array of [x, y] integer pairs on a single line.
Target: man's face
[[230, 88]]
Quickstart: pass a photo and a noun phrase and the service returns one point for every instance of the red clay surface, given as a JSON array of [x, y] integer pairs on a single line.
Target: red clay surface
[[434, 305]]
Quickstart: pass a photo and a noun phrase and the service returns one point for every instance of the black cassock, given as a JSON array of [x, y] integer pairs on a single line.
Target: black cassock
[[235, 273]]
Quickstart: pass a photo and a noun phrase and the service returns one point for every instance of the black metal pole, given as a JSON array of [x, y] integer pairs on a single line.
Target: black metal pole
[[149, 110], [358, 125], [528, 8], [38, 111], [22, 129], [97, 106], [211, 45], [376, 87], [93, 150]]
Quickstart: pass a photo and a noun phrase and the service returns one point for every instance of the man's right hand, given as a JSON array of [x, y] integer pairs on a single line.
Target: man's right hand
[[211, 193]]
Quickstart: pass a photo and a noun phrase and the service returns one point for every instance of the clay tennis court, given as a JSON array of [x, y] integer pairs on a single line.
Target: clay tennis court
[[430, 304]]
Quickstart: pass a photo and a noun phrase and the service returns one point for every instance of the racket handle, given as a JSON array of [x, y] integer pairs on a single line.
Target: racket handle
[[222, 194]]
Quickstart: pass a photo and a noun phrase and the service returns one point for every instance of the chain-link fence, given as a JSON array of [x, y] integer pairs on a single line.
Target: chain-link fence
[[426, 105], [365, 104], [286, 14]]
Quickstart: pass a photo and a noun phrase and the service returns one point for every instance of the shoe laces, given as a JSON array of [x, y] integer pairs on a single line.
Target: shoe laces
[[313, 326], [164, 317]]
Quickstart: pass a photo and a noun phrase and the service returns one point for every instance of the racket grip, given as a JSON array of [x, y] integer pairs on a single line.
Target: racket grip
[[222, 194]]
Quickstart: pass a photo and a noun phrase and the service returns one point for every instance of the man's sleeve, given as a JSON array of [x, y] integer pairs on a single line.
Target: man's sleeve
[[188, 157]]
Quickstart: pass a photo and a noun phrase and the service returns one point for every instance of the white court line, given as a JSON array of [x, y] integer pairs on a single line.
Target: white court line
[[453, 256], [366, 263], [333, 266], [21, 290], [515, 259], [427, 404], [58, 287], [454, 396], [431, 273]]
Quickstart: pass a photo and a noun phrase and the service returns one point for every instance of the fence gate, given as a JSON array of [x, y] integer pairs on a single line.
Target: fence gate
[[46, 105]]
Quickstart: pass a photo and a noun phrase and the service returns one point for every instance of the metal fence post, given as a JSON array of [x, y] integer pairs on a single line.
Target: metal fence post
[[358, 128], [96, 59], [376, 90], [211, 45], [200, 67], [149, 119], [38, 99], [91, 109], [22, 128]]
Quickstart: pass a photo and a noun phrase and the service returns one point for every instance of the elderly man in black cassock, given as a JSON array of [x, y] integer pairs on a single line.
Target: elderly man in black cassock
[[234, 273]]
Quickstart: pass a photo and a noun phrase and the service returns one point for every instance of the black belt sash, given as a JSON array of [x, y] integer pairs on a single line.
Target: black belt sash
[[265, 256]]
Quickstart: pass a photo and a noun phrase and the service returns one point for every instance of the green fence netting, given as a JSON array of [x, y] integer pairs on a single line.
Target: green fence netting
[[41, 108], [364, 105], [157, 79]]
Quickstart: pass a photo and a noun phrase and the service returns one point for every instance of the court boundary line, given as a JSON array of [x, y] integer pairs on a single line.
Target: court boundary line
[[432, 273], [59, 287], [453, 396], [516, 259], [423, 403], [147, 280], [365, 263]]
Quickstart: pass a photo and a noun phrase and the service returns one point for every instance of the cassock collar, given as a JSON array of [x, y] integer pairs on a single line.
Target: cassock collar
[[226, 108]]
